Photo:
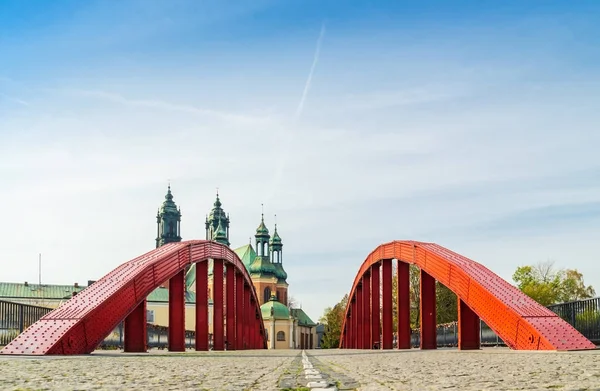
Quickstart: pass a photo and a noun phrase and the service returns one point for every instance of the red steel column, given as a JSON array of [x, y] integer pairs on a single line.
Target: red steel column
[[360, 316], [252, 323], [428, 312], [177, 313], [230, 308], [246, 316], [354, 339], [403, 305], [202, 306], [375, 303], [218, 304], [468, 327], [387, 317], [367, 311], [135, 330], [239, 311]]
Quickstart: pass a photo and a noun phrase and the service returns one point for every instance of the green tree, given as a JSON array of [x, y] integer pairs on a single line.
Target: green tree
[[333, 319], [546, 285]]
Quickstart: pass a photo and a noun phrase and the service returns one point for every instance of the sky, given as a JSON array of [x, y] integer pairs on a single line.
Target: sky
[[471, 124]]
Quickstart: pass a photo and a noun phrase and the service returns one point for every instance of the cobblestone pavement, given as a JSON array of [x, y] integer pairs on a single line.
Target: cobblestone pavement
[[487, 369]]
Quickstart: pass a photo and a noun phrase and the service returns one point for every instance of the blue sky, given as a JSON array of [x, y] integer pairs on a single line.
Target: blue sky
[[472, 124]]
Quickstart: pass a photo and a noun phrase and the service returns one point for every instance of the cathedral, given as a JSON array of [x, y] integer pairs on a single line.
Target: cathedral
[[286, 327]]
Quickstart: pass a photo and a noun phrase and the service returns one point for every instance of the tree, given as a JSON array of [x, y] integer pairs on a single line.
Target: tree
[[546, 285], [333, 319], [292, 302]]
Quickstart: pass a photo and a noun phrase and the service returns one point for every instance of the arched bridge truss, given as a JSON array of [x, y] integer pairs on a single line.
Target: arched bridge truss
[[522, 323], [81, 324]]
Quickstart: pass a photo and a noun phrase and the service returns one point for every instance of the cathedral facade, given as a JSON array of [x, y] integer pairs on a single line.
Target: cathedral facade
[[286, 327]]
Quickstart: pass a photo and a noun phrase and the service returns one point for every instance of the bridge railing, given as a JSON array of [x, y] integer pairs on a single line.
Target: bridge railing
[[157, 337], [16, 317], [584, 315]]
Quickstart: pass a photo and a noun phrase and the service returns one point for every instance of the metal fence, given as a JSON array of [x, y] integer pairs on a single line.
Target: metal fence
[[16, 317], [447, 336], [584, 315], [157, 337]]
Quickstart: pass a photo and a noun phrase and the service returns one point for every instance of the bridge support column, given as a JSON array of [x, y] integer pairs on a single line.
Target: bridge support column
[[375, 310], [387, 316], [428, 312], [177, 313], [135, 330], [202, 305], [354, 338], [247, 313], [230, 308], [366, 311], [239, 311], [218, 304], [403, 305], [468, 327], [360, 316]]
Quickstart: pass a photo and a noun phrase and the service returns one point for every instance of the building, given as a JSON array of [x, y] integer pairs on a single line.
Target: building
[[287, 328]]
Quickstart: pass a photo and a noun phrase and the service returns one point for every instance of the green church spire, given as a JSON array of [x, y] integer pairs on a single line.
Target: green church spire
[[217, 221], [168, 219], [276, 246], [262, 238], [220, 235]]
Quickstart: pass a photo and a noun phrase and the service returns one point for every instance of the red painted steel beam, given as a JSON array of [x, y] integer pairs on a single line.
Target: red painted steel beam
[[375, 306], [367, 311], [230, 307], [403, 305], [177, 312], [83, 322], [354, 339], [387, 310], [518, 320], [360, 315], [247, 313], [468, 327], [239, 311], [135, 330], [428, 312], [218, 304], [202, 306]]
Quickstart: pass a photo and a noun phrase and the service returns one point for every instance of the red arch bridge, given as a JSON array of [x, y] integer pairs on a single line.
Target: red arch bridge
[[82, 323], [521, 322]]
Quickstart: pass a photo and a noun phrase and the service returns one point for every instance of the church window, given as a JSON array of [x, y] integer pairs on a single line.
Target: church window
[[267, 294], [171, 228], [280, 336]]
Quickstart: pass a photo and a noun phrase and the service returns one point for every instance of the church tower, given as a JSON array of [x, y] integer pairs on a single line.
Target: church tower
[[217, 224], [168, 220], [276, 246]]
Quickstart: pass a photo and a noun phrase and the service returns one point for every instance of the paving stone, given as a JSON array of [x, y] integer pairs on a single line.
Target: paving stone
[[487, 369]]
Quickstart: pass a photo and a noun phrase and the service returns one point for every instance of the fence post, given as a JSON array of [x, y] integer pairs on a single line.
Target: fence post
[[21, 323]]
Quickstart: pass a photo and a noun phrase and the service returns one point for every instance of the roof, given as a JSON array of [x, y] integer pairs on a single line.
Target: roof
[[246, 254], [303, 319], [33, 291], [280, 311], [14, 290], [262, 230]]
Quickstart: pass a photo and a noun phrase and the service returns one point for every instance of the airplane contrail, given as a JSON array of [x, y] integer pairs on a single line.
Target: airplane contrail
[[310, 74], [283, 157]]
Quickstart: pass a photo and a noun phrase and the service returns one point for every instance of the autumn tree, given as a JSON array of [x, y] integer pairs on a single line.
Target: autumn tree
[[547, 285], [333, 319]]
